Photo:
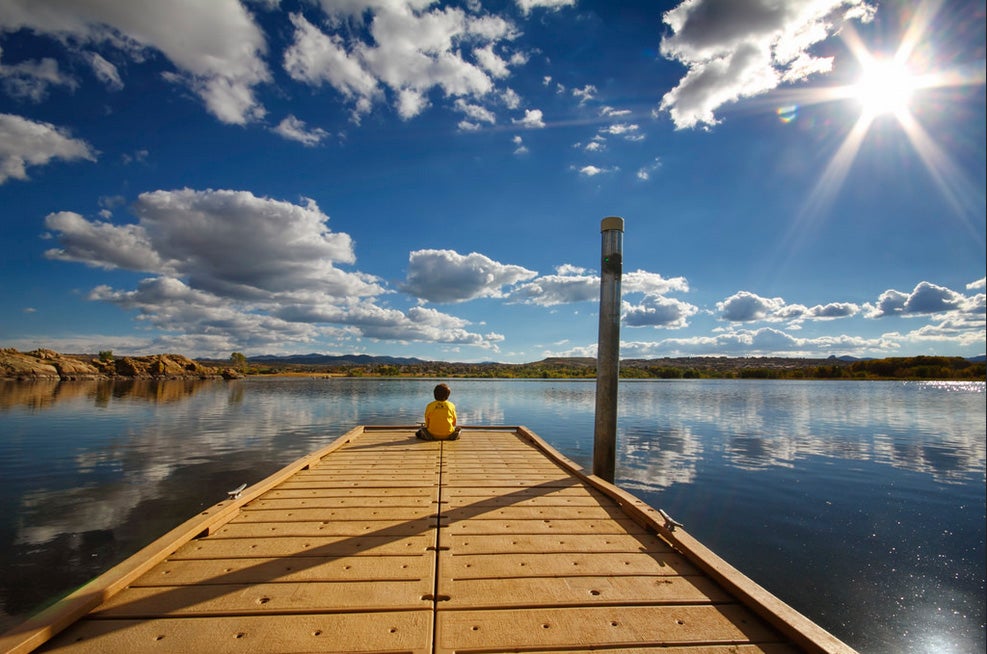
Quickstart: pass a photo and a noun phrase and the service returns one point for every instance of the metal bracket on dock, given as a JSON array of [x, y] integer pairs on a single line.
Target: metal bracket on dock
[[670, 524], [235, 493]]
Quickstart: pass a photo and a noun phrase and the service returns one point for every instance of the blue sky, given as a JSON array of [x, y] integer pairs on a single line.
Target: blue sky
[[414, 178]]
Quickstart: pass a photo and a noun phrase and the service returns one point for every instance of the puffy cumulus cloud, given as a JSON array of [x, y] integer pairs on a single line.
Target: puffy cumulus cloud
[[168, 304], [658, 312], [832, 311], [230, 270], [443, 276], [570, 284], [26, 143], [215, 46], [418, 324], [407, 47], [317, 58], [533, 119], [102, 244], [736, 49], [652, 284], [744, 306], [228, 242], [573, 284], [926, 298]]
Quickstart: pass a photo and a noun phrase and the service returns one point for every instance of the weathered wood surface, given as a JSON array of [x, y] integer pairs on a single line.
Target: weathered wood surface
[[384, 543]]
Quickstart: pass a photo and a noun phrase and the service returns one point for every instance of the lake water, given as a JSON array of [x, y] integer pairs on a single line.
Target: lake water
[[861, 504]]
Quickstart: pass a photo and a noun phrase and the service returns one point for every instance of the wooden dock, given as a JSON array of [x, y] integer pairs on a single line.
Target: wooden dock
[[384, 543]]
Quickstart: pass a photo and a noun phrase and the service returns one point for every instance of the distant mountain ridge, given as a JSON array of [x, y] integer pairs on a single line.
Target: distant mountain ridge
[[314, 358], [338, 359]]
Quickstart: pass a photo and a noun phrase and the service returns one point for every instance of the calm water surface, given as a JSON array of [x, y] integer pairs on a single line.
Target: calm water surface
[[861, 504]]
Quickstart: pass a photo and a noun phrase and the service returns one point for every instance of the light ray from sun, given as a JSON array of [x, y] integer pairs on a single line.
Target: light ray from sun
[[889, 87]]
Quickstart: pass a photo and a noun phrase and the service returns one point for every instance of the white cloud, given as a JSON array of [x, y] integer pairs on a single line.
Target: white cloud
[[294, 129], [490, 62], [231, 243], [26, 143], [644, 172], [585, 94], [215, 46], [474, 111], [745, 306], [230, 270], [658, 312], [926, 298], [31, 80], [316, 58], [447, 276], [741, 48], [532, 119], [409, 48], [618, 129], [519, 146], [102, 244], [105, 71], [527, 6], [593, 171], [652, 284], [570, 285], [833, 310]]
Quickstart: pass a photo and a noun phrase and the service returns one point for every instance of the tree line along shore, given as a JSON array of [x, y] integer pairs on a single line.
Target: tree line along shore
[[46, 364], [902, 368]]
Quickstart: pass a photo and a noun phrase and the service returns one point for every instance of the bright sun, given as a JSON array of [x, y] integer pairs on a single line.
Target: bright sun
[[885, 86]]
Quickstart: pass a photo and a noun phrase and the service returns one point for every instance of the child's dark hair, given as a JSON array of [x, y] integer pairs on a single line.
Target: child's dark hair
[[442, 392]]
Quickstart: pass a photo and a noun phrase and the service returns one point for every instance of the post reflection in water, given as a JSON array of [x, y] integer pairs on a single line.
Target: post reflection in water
[[861, 504]]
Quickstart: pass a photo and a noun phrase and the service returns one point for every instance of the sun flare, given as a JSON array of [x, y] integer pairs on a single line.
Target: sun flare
[[885, 87]]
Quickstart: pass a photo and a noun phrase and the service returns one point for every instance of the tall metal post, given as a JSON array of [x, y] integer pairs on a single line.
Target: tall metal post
[[608, 351]]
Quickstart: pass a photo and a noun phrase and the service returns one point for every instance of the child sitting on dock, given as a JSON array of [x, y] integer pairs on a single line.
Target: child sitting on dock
[[440, 417]]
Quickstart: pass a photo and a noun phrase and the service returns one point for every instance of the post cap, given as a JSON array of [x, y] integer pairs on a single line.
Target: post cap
[[612, 223]]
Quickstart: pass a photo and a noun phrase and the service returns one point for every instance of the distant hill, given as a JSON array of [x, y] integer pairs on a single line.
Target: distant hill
[[335, 360]]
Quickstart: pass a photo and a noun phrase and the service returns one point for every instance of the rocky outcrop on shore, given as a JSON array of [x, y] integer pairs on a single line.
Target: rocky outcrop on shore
[[46, 364]]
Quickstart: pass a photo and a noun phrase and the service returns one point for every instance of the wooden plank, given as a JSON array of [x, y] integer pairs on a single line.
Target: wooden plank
[[567, 497], [578, 591], [393, 528], [330, 514], [323, 546], [393, 631], [547, 543], [285, 500], [479, 527], [576, 629], [560, 564], [174, 572], [484, 511], [272, 599]]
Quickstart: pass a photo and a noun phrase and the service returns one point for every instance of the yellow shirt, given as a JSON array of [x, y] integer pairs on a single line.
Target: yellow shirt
[[440, 418]]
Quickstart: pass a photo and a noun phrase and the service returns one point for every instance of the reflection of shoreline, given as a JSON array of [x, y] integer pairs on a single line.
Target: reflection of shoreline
[[45, 394]]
